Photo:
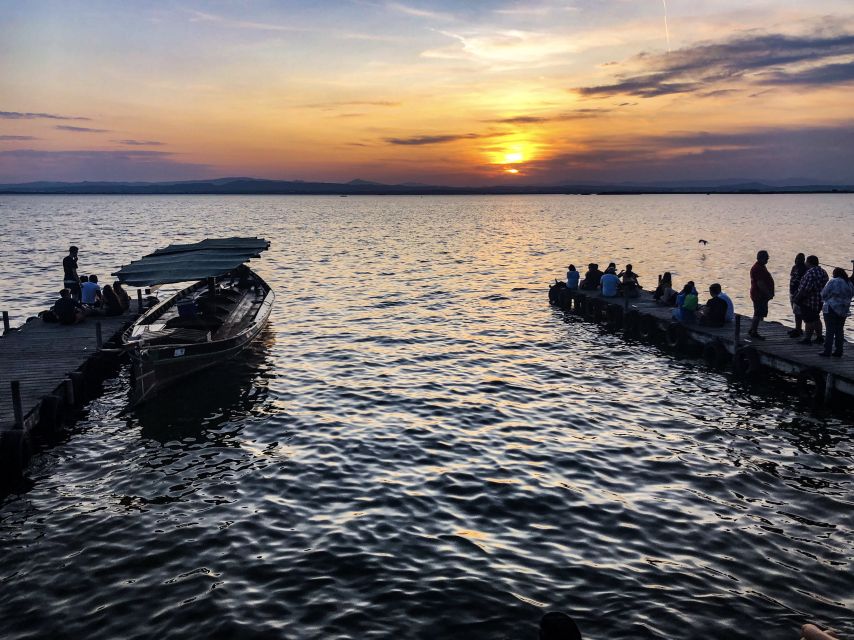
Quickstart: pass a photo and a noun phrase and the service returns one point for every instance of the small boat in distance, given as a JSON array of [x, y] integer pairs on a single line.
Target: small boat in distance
[[204, 323]]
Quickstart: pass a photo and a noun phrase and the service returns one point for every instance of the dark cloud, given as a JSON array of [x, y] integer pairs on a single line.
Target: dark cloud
[[139, 143], [825, 154], [87, 154], [760, 58], [18, 115], [66, 127], [840, 73], [21, 165], [576, 114], [18, 138], [439, 139], [352, 103]]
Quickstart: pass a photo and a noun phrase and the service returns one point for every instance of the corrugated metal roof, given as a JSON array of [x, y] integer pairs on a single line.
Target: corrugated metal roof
[[186, 262]]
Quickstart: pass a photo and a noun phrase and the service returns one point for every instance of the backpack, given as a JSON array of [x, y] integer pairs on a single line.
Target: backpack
[[690, 303]]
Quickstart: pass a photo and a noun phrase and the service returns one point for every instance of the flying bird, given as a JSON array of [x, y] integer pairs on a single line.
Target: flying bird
[[704, 242]]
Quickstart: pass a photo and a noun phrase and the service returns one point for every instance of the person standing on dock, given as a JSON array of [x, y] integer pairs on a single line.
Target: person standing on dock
[[837, 296], [71, 280], [761, 292], [809, 299], [797, 272]]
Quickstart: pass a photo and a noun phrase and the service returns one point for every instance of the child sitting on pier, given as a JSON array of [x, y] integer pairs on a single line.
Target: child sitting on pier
[[686, 304]]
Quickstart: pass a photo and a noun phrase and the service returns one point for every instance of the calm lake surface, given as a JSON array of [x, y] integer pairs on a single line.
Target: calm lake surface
[[420, 447]]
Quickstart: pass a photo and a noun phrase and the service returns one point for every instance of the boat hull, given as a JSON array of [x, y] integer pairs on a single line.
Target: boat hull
[[157, 367]]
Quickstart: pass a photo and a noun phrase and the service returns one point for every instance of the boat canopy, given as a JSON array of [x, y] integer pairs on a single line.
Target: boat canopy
[[185, 262]]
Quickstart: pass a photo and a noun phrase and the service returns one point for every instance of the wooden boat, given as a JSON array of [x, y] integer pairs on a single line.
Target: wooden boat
[[204, 323]]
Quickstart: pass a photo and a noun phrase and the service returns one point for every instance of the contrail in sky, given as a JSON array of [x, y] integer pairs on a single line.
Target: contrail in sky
[[666, 30]]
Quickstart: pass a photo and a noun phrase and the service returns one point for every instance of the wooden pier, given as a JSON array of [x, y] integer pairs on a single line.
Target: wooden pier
[[44, 371], [819, 378]]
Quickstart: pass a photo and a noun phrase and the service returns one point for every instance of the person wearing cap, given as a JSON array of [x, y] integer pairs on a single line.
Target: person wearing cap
[[71, 280]]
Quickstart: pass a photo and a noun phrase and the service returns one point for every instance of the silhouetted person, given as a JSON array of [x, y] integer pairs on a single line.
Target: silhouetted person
[[664, 293], [572, 277], [122, 295], [714, 313], [68, 310], [592, 277], [70, 279], [836, 294], [808, 298], [610, 284], [112, 306], [795, 275], [630, 282], [91, 292], [761, 292], [612, 268], [686, 304], [558, 626]]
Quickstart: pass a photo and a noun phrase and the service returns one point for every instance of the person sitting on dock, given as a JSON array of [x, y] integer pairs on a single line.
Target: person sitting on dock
[[67, 309], [664, 293], [686, 304], [70, 279], [795, 275], [837, 294], [610, 284], [714, 313], [808, 299], [91, 292], [761, 292], [630, 283], [612, 268], [592, 277], [572, 277], [122, 295], [112, 304]]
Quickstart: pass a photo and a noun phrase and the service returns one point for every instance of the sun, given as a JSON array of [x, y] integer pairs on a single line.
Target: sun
[[511, 171], [513, 157]]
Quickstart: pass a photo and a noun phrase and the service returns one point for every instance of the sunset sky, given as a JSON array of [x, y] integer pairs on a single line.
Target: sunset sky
[[470, 92]]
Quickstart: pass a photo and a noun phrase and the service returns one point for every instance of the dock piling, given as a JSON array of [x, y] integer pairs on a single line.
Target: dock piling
[[737, 330], [99, 340], [139, 301], [17, 406], [69, 392], [5, 322]]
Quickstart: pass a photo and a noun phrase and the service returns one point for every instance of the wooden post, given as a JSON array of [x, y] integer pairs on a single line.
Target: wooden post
[[139, 300], [737, 332], [99, 341], [69, 392], [5, 322], [828, 387], [17, 406]]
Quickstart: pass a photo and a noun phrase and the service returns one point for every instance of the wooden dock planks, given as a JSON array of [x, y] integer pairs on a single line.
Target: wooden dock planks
[[41, 356]]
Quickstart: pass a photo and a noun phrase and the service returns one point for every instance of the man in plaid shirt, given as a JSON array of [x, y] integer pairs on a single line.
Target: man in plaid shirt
[[808, 299]]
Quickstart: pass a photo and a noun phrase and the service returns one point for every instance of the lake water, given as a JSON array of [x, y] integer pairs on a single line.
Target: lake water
[[421, 447]]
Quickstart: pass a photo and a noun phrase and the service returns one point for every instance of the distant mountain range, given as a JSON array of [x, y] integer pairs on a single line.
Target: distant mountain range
[[254, 186]]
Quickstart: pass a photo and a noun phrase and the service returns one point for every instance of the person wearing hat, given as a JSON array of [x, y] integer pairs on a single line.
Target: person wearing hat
[[71, 280], [572, 277]]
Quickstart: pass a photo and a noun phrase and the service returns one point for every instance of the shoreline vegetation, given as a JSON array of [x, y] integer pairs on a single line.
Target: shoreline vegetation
[[254, 186]]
